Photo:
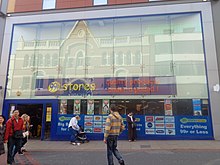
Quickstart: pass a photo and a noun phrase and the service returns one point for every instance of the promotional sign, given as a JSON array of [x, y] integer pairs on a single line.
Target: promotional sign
[[168, 107], [94, 123], [106, 86], [90, 107], [160, 125], [76, 109], [193, 126], [62, 124], [197, 107], [105, 107], [63, 106], [148, 127]]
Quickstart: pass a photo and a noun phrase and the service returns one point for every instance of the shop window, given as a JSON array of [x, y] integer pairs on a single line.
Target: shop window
[[183, 107], [153, 107], [49, 4], [70, 106], [122, 108], [100, 2], [205, 107]]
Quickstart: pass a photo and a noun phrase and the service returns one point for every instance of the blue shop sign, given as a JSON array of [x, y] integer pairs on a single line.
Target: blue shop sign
[[193, 126], [148, 127]]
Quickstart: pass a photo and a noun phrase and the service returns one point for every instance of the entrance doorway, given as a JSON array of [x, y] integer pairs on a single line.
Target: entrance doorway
[[35, 111], [40, 117]]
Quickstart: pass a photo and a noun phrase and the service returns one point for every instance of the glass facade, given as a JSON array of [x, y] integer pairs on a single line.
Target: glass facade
[[136, 62]]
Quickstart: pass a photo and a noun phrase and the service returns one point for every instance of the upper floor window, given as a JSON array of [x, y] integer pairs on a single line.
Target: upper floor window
[[100, 2], [49, 4], [80, 57], [26, 61]]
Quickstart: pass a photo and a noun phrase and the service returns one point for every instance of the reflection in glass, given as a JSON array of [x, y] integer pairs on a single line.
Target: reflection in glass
[[158, 47]]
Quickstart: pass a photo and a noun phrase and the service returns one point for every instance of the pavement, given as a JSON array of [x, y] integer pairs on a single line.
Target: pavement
[[36, 146]]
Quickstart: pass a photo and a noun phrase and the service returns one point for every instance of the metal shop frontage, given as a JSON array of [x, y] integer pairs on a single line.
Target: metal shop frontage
[[152, 65]]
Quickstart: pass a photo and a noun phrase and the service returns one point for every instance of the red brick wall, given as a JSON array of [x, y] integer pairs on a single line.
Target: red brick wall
[[116, 2], [63, 4], [28, 5], [36, 5]]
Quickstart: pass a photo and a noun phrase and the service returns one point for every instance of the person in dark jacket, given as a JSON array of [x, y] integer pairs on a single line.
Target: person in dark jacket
[[15, 123], [131, 127], [2, 134]]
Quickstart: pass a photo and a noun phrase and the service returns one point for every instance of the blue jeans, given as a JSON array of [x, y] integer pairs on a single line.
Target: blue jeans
[[14, 145], [73, 134], [112, 149]]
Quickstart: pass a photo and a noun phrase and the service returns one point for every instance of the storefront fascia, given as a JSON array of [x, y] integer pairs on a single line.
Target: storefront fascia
[[59, 121]]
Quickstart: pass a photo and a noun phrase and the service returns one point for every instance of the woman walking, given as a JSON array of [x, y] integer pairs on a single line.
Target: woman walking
[[26, 128]]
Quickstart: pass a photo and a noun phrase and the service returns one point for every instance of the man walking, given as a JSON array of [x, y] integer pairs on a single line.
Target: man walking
[[113, 127], [15, 123]]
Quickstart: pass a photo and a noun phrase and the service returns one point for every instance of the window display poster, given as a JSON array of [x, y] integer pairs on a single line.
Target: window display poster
[[160, 125], [63, 106], [197, 107], [49, 113], [105, 107], [194, 126], [90, 107], [168, 107], [93, 124], [76, 107]]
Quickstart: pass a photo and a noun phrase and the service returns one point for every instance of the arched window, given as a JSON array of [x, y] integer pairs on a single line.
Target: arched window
[[80, 58]]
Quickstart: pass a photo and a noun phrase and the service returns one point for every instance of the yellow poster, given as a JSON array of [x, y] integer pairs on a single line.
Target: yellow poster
[[48, 116]]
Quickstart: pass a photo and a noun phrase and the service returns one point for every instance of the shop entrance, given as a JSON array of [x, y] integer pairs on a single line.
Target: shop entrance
[[35, 111], [40, 117]]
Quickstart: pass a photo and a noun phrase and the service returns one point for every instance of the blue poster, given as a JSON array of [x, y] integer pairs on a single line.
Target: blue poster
[[148, 127], [194, 126]]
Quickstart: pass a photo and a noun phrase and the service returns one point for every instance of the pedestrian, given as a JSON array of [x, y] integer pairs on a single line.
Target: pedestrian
[[74, 129], [131, 127], [113, 127], [26, 128], [2, 134], [13, 135]]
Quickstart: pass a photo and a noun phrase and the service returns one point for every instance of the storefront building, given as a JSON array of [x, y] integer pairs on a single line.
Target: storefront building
[[156, 61]]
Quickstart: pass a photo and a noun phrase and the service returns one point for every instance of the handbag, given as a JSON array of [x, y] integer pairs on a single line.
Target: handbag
[[16, 134]]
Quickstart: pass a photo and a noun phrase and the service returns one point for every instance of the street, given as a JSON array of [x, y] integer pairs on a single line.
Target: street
[[151, 157]]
